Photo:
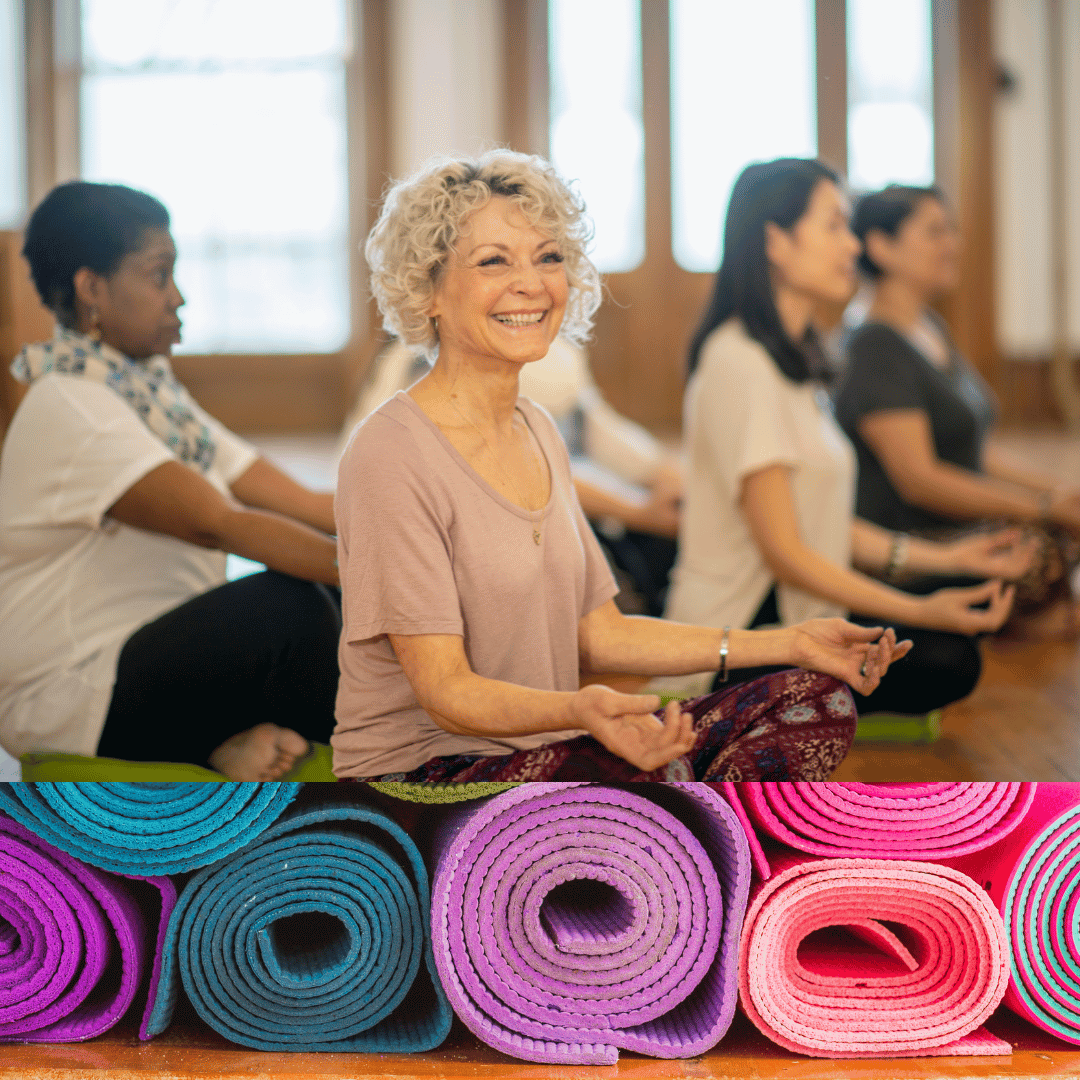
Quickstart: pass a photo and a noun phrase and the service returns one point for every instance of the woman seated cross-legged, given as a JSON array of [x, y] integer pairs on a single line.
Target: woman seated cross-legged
[[919, 415], [119, 498], [768, 533], [474, 592]]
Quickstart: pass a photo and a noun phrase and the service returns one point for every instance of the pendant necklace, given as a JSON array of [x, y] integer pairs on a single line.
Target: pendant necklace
[[502, 468]]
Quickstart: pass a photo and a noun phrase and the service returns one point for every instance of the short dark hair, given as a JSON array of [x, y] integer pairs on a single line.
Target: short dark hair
[[777, 191], [83, 224], [885, 211]]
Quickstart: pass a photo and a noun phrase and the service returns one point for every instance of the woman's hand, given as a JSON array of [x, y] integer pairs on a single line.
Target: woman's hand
[[625, 725], [858, 655], [1006, 554], [955, 609]]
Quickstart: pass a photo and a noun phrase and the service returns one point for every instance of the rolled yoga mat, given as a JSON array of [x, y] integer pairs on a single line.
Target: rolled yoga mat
[[1033, 876], [571, 920], [315, 937], [879, 821], [74, 945], [147, 829], [847, 958]]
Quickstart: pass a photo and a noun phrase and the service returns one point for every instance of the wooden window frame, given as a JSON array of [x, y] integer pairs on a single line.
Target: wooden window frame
[[252, 393], [644, 326]]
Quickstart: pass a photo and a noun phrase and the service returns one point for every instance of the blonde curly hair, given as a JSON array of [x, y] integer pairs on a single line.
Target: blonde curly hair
[[422, 218]]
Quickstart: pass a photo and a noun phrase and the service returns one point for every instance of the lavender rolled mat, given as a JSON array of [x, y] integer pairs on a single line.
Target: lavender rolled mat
[[572, 920], [74, 946]]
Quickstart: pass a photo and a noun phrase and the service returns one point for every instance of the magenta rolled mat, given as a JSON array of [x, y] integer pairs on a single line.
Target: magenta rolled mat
[[879, 821], [1033, 876], [75, 948], [570, 921], [853, 958]]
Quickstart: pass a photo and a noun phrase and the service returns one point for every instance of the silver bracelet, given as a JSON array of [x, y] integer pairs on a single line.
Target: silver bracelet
[[723, 654], [898, 554]]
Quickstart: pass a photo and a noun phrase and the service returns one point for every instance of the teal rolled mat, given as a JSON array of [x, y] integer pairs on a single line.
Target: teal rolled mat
[[314, 937], [147, 829]]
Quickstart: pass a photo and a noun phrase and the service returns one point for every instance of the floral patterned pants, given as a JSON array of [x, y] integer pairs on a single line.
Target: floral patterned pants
[[792, 725]]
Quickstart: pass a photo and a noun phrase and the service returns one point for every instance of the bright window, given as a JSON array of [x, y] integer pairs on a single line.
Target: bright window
[[597, 137], [743, 89], [890, 94], [232, 112], [12, 183]]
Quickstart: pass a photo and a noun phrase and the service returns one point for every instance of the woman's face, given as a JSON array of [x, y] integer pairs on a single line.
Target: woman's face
[[816, 256], [137, 306], [925, 252], [502, 292]]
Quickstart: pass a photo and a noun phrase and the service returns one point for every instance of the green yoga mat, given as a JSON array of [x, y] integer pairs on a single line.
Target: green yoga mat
[[441, 791]]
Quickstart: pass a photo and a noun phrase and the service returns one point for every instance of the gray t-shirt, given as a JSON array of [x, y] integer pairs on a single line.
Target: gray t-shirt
[[885, 371], [426, 546]]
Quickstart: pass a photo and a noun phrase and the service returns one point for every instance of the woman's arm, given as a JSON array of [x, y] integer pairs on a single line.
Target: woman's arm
[[769, 508], [175, 500], [265, 487], [464, 703], [1005, 553], [902, 441]]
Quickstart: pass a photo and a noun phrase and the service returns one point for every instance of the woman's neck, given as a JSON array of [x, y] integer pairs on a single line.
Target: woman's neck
[[898, 304], [795, 310], [485, 393]]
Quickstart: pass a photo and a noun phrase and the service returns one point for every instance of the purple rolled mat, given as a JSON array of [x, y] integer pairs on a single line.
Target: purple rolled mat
[[570, 921], [75, 948]]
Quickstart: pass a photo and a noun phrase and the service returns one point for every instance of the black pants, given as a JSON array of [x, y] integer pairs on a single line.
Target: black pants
[[261, 649], [941, 667]]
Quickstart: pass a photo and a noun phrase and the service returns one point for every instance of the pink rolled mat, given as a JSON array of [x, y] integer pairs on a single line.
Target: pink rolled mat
[[1033, 876], [878, 821], [75, 949], [851, 958], [571, 920]]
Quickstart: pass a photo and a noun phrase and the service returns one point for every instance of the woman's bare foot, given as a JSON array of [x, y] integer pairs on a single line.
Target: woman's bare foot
[[263, 752]]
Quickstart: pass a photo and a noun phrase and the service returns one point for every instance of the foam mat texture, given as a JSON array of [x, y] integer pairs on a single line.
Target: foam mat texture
[[314, 937], [74, 945], [440, 792], [572, 920], [856, 958], [147, 829], [1033, 876], [918, 821]]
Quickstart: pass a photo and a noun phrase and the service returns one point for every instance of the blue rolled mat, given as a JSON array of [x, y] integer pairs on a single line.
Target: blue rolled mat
[[147, 829], [315, 937]]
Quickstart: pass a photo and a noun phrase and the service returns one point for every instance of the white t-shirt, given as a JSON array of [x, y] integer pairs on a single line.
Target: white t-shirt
[[74, 583], [741, 416]]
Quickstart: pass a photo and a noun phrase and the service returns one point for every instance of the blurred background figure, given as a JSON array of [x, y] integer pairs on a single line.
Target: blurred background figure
[[919, 415]]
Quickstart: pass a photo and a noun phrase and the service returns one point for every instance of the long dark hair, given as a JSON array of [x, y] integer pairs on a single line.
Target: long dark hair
[[776, 191], [885, 211]]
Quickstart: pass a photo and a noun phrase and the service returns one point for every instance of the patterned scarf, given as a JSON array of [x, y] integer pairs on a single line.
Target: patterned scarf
[[148, 386]]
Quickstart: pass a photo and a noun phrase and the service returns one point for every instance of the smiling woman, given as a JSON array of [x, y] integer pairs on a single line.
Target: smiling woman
[[474, 593]]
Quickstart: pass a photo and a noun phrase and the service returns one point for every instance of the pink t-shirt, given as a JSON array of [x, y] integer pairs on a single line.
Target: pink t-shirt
[[426, 546]]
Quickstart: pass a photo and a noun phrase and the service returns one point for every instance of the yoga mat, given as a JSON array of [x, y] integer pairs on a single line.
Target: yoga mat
[[440, 791], [879, 821], [315, 937], [74, 945], [571, 920], [851, 958], [1033, 876], [147, 829]]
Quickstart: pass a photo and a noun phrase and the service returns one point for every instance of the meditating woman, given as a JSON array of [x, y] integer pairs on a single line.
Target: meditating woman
[[474, 592], [919, 415], [119, 498], [768, 535]]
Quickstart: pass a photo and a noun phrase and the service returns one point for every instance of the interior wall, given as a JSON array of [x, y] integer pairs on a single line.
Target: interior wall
[[446, 79], [1022, 177]]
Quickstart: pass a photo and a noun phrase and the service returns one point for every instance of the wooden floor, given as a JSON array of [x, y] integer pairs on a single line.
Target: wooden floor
[[190, 1050]]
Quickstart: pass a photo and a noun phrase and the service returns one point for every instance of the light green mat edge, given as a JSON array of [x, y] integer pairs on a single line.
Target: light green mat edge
[[442, 791], [899, 728]]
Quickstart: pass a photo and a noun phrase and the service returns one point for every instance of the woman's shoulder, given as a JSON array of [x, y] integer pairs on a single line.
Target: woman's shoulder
[[59, 401], [729, 354], [872, 338]]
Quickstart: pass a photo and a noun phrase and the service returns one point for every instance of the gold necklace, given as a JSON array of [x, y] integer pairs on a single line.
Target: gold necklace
[[502, 468]]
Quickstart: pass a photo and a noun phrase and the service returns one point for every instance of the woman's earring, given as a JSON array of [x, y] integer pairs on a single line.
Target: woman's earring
[[95, 325]]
